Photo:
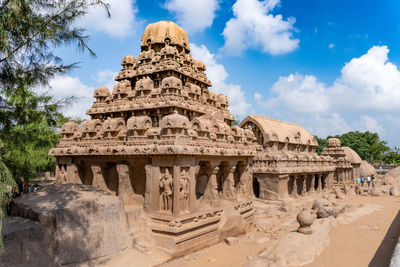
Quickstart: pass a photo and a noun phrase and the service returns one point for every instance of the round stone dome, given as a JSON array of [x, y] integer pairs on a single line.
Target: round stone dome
[[163, 31]]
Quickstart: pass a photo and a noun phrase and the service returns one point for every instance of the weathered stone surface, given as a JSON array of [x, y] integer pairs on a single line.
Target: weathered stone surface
[[72, 223], [392, 177], [296, 249], [321, 202], [395, 190]]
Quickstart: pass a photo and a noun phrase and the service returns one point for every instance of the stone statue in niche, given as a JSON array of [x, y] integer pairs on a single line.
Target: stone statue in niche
[[166, 191], [184, 190]]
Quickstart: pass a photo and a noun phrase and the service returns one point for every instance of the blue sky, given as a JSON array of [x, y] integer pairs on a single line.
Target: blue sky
[[330, 66]]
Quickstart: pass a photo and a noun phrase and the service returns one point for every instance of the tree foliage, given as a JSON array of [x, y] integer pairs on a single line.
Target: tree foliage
[[367, 145], [30, 30]]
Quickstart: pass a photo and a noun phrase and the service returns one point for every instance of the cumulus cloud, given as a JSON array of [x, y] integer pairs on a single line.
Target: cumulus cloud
[[366, 89], [121, 23], [194, 15], [217, 74], [105, 78], [254, 27]]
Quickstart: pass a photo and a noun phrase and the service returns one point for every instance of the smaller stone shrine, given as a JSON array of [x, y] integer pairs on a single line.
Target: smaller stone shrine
[[346, 160]]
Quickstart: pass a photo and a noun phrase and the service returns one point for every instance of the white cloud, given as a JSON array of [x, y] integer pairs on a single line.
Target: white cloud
[[194, 15], [121, 23], [64, 86], [217, 74], [254, 27], [367, 88], [105, 78], [331, 46]]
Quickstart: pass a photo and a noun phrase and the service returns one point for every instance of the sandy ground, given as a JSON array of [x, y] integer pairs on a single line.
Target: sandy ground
[[364, 242], [367, 241]]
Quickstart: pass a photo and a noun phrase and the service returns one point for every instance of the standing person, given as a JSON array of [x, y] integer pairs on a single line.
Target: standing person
[[368, 180], [362, 181], [373, 181], [358, 181]]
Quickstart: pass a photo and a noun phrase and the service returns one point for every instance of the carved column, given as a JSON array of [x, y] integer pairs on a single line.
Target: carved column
[[211, 192], [58, 173], [152, 196], [125, 190], [319, 178], [304, 183], [229, 184], [193, 170], [176, 182], [72, 174], [294, 191], [98, 178], [312, 189]]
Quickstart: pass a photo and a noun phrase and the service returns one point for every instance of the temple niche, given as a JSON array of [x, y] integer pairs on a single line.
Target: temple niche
[[164, 143]]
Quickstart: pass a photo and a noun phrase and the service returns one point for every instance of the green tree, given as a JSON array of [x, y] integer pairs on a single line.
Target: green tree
[[321, 144], [30, 30]]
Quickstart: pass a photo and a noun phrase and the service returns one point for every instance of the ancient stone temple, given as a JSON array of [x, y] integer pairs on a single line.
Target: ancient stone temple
[[346, 160], [288, 163], [166, 145]]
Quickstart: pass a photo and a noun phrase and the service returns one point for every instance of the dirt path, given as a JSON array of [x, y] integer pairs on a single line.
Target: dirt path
[[368, 241]]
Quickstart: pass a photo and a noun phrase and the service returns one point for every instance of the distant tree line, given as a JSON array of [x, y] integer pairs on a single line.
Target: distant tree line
[[367, 145]]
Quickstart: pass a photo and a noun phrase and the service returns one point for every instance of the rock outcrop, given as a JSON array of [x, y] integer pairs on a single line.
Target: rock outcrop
[[64, 224]]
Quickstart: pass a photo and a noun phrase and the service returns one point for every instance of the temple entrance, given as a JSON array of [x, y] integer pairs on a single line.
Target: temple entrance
[[256, 187], [85, 173]]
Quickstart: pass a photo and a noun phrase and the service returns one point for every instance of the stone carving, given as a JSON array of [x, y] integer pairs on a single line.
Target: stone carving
[[184, 190], [166, 191], [305, 219]]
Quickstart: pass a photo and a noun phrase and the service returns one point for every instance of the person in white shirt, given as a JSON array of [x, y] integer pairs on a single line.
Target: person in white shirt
[[369, 180]]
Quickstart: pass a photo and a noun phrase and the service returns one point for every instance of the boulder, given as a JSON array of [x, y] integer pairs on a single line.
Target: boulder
[[376, 192], [231, 224], [392, 177], [367, 169], [339, 194], [395, 190], [70, 224], [321, 202]]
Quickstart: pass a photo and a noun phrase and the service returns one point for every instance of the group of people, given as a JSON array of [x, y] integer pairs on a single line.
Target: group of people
[[366, 180]]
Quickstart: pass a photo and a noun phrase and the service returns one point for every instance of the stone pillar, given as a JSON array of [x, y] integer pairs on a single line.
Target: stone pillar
[[319, 178], [176, 181], [125, 190], [98, 178], [304, 183], [312, 189], [211, 192], [192, 187], [229, 189], [152, 196], [58, 173], [72, 174], [294, 191]]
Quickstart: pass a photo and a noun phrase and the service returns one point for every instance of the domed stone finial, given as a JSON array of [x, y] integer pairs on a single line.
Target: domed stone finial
[[167, 33], [334, 142], [305, 219]]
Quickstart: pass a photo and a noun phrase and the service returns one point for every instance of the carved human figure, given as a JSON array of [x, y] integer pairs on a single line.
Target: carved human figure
[[166, 191], [184, 190]]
